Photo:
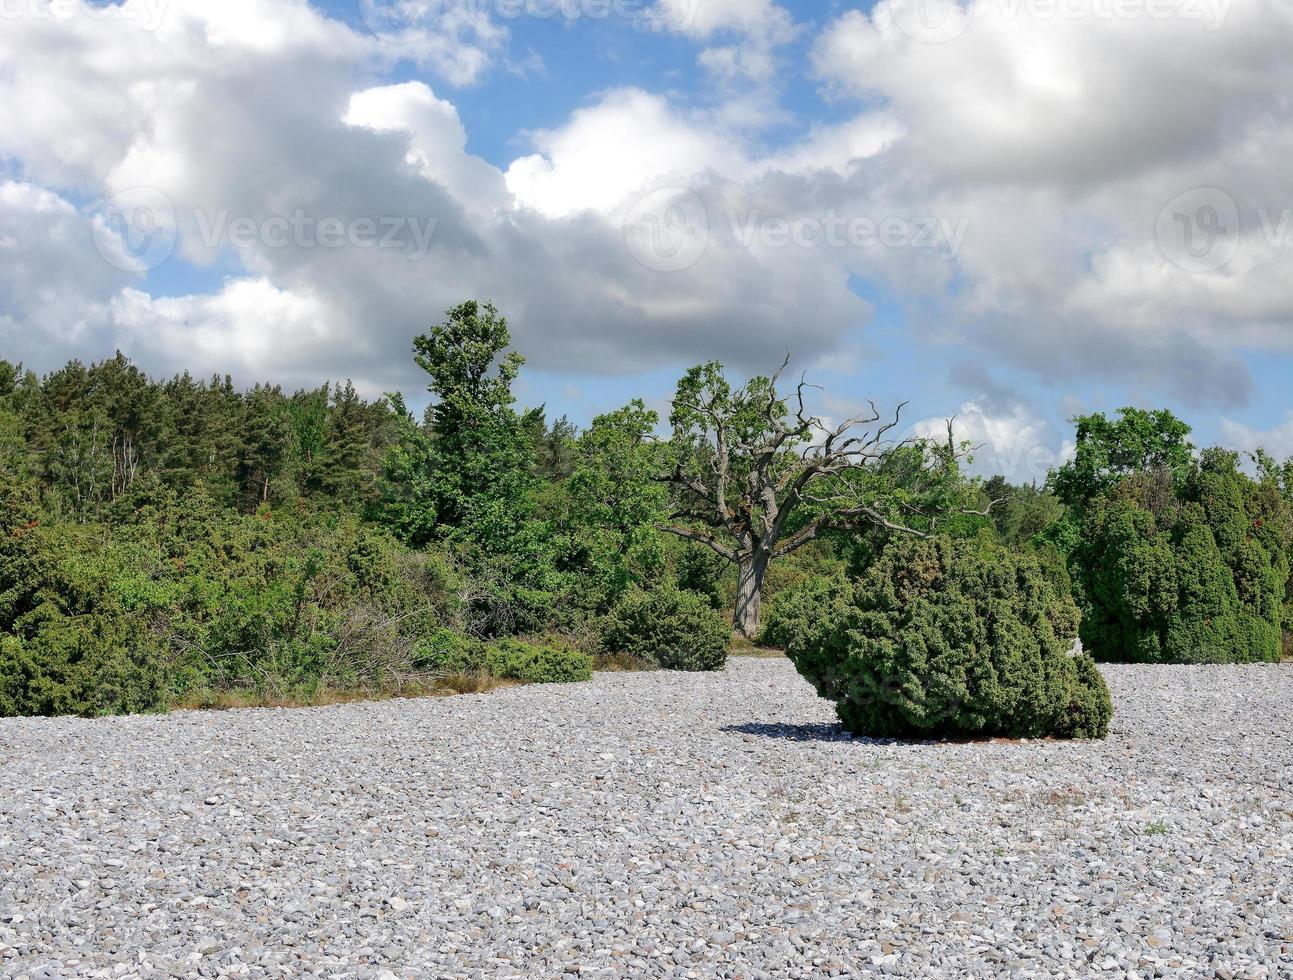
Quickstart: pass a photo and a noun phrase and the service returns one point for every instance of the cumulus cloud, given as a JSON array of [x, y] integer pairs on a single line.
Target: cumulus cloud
[[757, 28], [290, 166], [1011, 189], [1277, 441], [1011, 442], [54, 283], [616, 147], [1025, 92], [703, 19], [1079, 142]]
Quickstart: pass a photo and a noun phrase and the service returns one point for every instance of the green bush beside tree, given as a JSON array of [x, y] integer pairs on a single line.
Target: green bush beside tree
[[1175, 559], [669, 627], [946, 638], [545, 661]]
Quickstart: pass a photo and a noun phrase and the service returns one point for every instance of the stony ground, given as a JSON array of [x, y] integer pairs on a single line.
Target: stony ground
[[653, 825]]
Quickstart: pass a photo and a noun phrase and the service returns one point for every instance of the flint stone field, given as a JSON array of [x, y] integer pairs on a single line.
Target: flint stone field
[[653, 824]]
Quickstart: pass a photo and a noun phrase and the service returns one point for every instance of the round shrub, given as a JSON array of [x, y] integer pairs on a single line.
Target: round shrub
[[446, 651], [951, 638], [671, 628]]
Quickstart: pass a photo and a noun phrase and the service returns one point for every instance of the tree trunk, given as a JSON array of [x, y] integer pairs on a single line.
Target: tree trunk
[[749, 593]]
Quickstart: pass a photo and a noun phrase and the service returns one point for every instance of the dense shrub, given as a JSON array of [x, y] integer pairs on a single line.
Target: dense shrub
[[788, 612], [542, 662], [546, 662], [951, 638], [1175, 558], [1185, 568], [671, 628], [190, 598], [66, 647], [90, 665]]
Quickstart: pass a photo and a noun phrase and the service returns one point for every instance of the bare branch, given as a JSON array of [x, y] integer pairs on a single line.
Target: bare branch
[[701, 537]]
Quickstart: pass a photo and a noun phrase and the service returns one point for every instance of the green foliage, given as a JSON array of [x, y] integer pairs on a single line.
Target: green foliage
[[790, 612], [600, 523], [538, 663], [755, 477], [91, 664], [541, 662], [1277, 483], [473, 454], [697, 569], [93, 435], [407, 491], [1021, 514], [1188, 567], [671, 628], [192, 597], [179, 540], [466, 477], [1109, 450], [65, 646], [949, 638]]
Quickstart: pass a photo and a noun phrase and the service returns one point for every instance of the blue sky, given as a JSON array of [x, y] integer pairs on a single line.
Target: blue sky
[[547, 152]]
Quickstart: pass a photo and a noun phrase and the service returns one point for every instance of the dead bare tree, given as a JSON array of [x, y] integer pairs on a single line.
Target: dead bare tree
[[756, 476]]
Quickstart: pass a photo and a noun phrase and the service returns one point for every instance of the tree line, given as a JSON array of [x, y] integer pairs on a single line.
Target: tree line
[[166, 539]]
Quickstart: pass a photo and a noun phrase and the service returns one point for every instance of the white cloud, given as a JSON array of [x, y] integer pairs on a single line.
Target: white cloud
[[1277, 441], [838, 146], [1061, 139], [1026, 93], [1055, 144], [53, 281], [251, 328], [437, 141], [702, 19], [1011, 442], [607, 151], [758, 28], [234, 140], [631, 140]]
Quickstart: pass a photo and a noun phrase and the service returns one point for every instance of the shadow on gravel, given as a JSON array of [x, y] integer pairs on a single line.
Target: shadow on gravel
[[816, 732], [826, 732]]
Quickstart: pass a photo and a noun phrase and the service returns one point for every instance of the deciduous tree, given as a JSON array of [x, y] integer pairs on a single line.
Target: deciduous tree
[[756, 475]]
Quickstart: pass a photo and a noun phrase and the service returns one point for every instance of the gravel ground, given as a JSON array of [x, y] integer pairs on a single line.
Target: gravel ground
[[653, 825]]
